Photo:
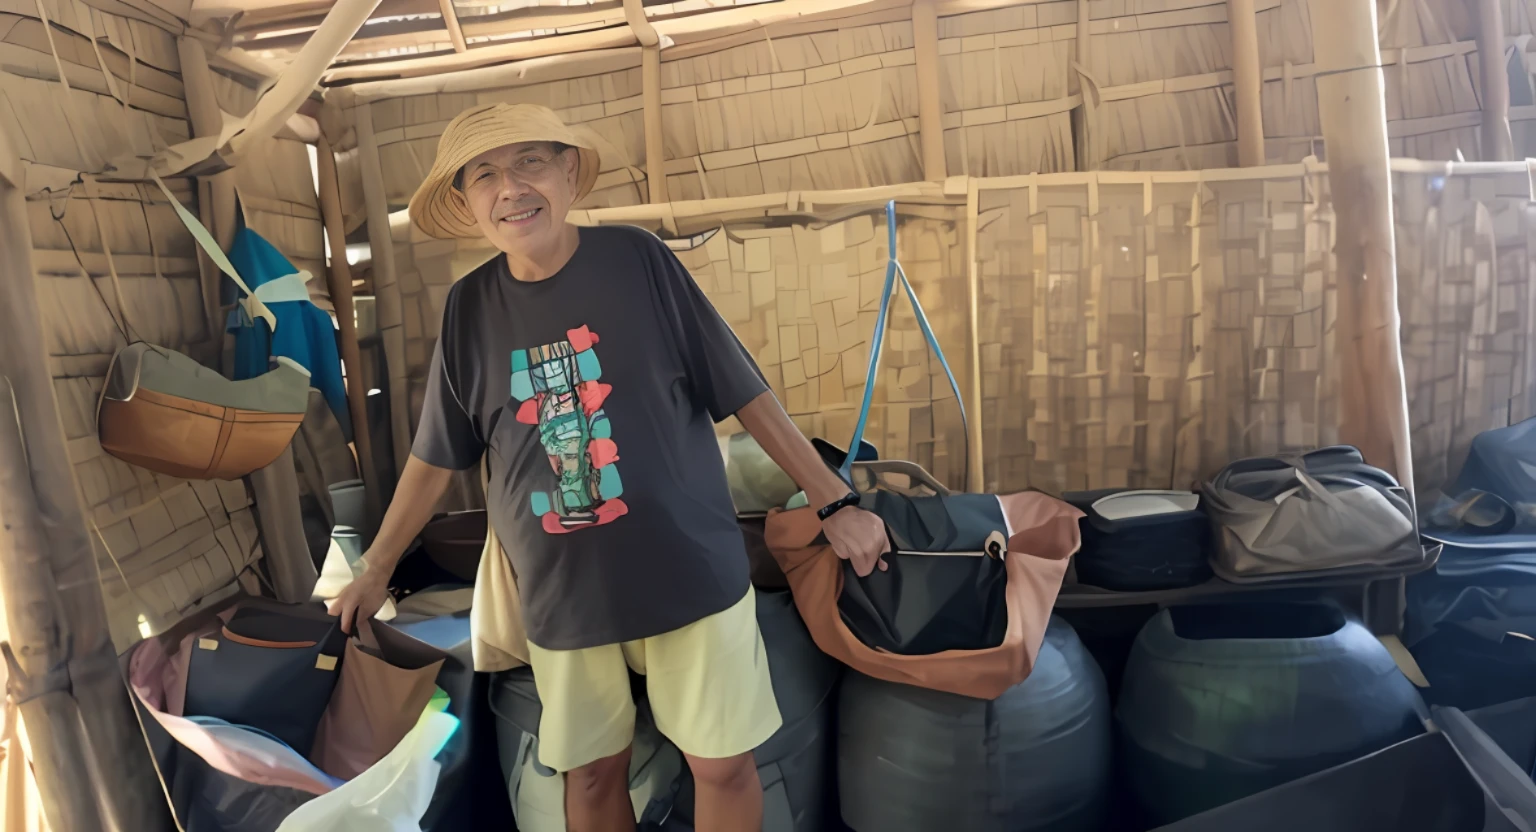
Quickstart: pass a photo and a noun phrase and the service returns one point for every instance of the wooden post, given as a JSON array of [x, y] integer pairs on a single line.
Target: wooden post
[[1373, 406], [451, 20], [340, 274], [386, 286], [39, 641], [1247, 82], [1498, 144], [930, 106], [123, 778]]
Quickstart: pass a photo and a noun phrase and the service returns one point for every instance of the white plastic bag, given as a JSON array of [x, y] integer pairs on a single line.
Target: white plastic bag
[[391, 796]]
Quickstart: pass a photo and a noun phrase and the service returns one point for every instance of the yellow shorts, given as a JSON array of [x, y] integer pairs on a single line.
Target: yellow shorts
[[707, 684]]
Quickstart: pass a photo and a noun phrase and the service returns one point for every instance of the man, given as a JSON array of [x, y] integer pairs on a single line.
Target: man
[[588, 369]]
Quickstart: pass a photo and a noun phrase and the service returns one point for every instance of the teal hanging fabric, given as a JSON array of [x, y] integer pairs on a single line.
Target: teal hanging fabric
[[305, 332]]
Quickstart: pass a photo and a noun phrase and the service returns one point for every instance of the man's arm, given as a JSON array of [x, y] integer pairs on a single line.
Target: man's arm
[[855, 535], [421, 487]]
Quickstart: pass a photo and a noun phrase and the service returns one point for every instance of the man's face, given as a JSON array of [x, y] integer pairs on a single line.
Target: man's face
[[520, 194]]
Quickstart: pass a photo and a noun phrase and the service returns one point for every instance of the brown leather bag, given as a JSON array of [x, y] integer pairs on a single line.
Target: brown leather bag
[[1044, 535], [387, 678], [161, 410]]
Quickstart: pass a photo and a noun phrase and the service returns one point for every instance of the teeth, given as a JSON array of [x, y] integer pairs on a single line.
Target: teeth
[[523, 216]]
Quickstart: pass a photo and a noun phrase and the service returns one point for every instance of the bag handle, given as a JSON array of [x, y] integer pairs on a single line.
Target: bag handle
[[252, 305], [894, 270]]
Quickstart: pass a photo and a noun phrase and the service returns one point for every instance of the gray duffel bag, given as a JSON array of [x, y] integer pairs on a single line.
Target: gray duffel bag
[[1324, 511]]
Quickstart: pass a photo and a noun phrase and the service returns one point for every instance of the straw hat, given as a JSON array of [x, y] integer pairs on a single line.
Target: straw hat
[[440, 210]]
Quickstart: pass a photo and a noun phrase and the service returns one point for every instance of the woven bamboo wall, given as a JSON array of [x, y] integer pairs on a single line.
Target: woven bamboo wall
[[176, 541], [1467, 291], [804, 298], [1146, 333]]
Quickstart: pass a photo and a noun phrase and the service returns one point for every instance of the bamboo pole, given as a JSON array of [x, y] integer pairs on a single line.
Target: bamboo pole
[[39, 641], [123, 777], [975, 453], [386, 286], [451, 20], [930, 107], [1498, 144], [300, 77], [340, 274], [650, 88], [1085, 122], [1373, 404], [1247, 82], [216, 194]]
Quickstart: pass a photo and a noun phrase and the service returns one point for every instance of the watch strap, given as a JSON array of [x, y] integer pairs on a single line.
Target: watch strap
[[850, 499]]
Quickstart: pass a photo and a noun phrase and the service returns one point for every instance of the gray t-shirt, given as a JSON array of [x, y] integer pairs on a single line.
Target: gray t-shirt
[[596, 392]]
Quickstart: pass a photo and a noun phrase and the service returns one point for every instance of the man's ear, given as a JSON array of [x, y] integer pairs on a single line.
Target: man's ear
[[571, 157]]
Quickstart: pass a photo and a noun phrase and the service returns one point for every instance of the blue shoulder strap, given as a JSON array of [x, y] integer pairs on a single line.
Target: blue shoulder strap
[[894, 270]]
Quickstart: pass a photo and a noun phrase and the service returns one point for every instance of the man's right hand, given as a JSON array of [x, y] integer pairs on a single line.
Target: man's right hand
[[362, 599]]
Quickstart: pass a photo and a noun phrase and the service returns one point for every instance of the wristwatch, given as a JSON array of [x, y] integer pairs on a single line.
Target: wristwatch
[[851, 499]]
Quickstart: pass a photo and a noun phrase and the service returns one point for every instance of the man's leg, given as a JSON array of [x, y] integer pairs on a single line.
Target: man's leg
[[585, 731], [709, 689], [728, 796], [597, 796]]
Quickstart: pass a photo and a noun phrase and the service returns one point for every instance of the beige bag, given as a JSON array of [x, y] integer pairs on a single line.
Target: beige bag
[[498, 638]]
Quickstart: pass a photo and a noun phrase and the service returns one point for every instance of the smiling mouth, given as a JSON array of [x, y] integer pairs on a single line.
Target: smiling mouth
[[524, 216]]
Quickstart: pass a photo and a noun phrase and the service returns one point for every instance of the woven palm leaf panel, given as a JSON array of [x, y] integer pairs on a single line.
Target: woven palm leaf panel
[[1466, 264], [1128, 340], [176, 542]]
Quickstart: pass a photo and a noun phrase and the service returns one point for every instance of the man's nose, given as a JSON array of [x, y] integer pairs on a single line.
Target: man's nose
[[512, 187]]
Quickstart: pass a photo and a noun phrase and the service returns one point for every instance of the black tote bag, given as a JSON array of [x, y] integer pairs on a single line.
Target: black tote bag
[[272, 667]]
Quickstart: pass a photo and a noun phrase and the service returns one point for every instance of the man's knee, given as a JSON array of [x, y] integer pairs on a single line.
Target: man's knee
[[592, 782], [729, 774]]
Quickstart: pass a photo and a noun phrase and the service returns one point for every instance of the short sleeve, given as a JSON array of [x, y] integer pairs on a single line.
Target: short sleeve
[[447, 436], [721, 371]]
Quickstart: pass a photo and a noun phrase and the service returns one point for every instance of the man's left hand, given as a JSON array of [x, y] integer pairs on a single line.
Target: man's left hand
[[858, 536]]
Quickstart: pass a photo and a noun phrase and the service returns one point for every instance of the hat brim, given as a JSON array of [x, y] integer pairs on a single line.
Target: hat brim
[[440, 210]]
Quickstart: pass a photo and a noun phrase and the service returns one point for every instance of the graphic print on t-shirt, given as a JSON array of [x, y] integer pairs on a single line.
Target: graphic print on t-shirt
[[560, 393]]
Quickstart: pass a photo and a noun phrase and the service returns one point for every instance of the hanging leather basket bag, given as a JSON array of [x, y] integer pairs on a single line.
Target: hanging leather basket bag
[[163, 411]]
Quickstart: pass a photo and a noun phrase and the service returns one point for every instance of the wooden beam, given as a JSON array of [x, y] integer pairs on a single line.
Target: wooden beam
[[1498, 144], [1247, 82], [451, 20], [930, 106], [340, 275], [1373, 404], [123, 777]]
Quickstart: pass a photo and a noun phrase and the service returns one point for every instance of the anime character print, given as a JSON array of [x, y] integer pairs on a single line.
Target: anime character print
[[560, 394]]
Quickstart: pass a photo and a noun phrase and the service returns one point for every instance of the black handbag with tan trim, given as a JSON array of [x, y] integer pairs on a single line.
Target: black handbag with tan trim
[[272, 667]]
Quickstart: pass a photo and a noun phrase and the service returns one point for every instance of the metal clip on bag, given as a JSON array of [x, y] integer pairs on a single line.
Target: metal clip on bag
[[1322, 511], [271, 667], [965, 603]]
